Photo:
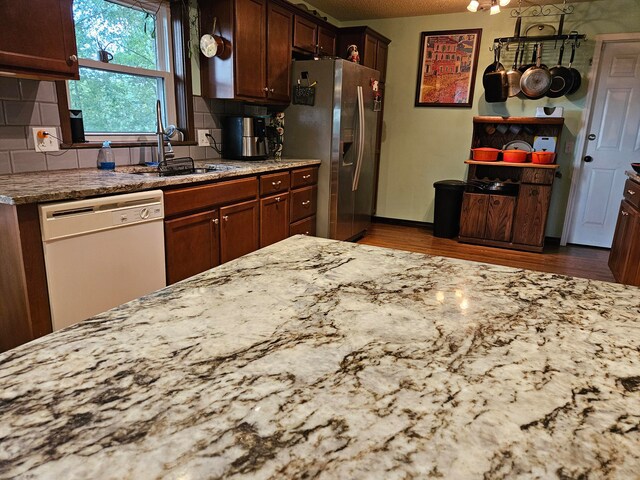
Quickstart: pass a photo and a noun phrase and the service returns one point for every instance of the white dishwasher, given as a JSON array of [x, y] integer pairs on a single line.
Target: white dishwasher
[[102, 252]]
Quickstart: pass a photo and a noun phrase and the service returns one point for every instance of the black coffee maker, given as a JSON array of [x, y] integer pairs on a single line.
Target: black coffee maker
[[244, 138]]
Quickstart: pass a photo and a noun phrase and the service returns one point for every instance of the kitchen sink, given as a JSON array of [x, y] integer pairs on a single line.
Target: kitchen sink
[[153, 172]]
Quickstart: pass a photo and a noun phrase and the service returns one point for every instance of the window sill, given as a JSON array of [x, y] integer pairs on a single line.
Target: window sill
[[69, 146]]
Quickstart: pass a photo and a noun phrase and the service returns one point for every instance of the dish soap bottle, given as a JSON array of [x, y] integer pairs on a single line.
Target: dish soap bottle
[[106, 160]]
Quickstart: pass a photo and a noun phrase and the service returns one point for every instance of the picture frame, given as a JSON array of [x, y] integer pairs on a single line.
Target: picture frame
[[447, 66]]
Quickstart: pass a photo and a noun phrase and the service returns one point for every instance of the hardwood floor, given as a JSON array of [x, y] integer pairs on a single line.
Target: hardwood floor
[[576, 261]]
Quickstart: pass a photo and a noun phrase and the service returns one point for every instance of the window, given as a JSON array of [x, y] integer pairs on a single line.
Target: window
[[125, 67]]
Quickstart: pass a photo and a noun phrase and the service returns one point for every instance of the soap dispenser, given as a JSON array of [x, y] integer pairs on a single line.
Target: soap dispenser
[[106, 160]]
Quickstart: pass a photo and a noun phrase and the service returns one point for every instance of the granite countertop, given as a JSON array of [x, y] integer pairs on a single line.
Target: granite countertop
[[320, 359], [39, 187]]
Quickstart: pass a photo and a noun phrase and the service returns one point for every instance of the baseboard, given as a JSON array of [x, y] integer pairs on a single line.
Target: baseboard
[[401, 222], [429, 226]]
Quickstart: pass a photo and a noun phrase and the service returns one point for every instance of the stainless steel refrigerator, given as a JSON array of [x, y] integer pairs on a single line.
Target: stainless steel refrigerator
[[340, 130]]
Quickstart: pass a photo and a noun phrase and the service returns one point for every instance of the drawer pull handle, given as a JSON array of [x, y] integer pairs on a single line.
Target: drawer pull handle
[[215, 221], [225, 218], [306, 203], [278, 199], [306, 177], [307, 232], [625, 213], [631, 192], [276, 184], [73, 58]]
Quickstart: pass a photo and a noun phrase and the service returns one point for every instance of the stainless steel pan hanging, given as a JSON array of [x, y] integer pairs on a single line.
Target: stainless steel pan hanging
[[535, 82]]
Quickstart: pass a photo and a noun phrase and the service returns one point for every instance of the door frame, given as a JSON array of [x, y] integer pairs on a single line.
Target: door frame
[[585, 123]]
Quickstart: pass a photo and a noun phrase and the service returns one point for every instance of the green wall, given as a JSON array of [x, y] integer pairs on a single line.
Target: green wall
[[423, 145]]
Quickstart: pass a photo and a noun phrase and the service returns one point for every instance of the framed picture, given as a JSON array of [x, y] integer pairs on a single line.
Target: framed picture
[[447, 68]]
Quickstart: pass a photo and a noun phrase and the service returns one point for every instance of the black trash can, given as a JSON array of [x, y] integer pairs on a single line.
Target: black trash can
[[446, 219]]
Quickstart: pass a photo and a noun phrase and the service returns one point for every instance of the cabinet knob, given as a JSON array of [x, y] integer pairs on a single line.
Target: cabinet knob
[[215, 221], [276, 184], [307, 232], [631, 192], [265, 89], [73, 58], [306, 177], [278, 199], [225, 218], [306, 203], [625, 213], [271, 90]]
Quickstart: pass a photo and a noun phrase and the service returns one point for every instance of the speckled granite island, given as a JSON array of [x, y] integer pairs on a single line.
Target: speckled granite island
[[320, 359]]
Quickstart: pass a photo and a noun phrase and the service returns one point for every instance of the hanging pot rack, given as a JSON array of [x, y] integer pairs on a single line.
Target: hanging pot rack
[[542, 12]]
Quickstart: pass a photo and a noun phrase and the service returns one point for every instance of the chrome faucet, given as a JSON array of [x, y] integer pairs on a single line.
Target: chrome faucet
[[162, 153]]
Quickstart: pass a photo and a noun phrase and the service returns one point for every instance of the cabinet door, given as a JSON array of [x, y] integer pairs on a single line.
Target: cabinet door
[[249, 48], [370, 51], [192, 245], [531, 214], [500, 218], [279, 26], [238, 230], [274, 219], [304, 34], [327, 41], [306, 226], [625, 250], [37, 37], [381, 59], [473, 218]]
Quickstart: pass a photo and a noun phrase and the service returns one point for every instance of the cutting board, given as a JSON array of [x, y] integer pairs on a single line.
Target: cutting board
[[544, 144]]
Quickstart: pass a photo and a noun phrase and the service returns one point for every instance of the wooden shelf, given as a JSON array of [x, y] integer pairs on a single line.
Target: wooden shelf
[[510, 164], [521, 120]]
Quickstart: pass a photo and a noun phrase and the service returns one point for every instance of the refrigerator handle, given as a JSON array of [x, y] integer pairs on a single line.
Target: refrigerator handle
[[361, 137]]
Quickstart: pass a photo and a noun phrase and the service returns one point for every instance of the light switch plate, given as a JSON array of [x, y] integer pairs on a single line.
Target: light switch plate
[[45, 139], [203, 140]]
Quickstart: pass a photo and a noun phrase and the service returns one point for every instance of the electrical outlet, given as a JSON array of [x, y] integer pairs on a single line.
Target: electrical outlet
[[203, 140], [45, 139]]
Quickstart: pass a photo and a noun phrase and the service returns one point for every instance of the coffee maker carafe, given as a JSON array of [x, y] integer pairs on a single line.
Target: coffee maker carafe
[[244, 138]]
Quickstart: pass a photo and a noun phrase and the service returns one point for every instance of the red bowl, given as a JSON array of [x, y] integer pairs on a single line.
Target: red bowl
[[485, 154], [543, 157], [514, 156]]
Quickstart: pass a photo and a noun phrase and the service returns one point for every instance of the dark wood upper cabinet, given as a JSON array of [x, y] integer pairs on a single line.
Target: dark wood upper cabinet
[[279, 26], [327, 39], [37, 39], [372, 47], [305, 34], [256, 63]]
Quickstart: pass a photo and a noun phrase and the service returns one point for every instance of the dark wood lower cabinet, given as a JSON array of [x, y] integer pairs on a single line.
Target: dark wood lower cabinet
[[192, 245], [239, 225], [473, 219], [531, 214], [500, 217], [274, 219], [624, 259], [304, 227]]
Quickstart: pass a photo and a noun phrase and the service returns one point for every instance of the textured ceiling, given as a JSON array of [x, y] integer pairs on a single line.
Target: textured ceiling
[[344, 10]]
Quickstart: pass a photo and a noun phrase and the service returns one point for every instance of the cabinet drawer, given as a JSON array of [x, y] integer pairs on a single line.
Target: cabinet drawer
[[304, 227], [303, 203], [632, 193], [203, 196], [274, 183], [543, 176], [304, 177]]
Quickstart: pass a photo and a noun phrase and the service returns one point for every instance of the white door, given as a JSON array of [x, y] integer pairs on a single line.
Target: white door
[[613, 143]]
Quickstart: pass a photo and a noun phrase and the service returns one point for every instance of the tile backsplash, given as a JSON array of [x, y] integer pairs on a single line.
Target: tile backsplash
[[30, 103]]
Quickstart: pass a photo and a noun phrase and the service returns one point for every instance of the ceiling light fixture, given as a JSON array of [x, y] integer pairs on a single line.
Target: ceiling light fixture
[[474, 6]]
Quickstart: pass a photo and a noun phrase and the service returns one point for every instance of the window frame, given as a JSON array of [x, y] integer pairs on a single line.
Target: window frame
[[172, 27]]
